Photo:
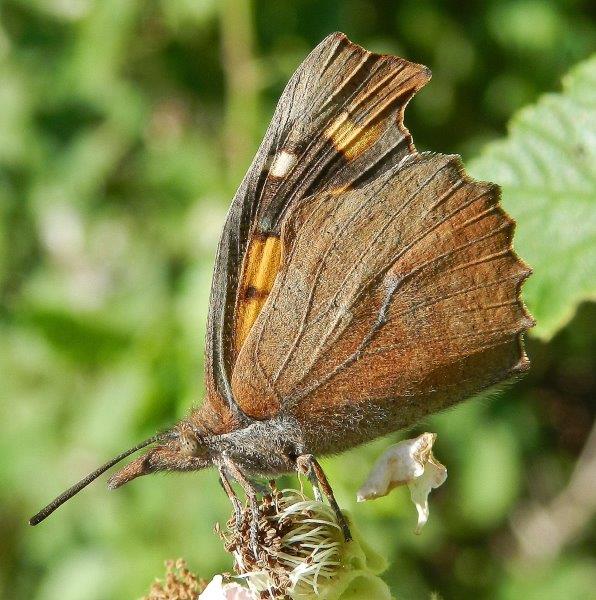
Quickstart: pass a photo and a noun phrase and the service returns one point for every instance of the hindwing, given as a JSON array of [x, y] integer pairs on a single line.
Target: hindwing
[[393, 300]]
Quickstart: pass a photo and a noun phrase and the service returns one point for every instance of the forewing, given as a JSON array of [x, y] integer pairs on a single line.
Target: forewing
[[394, 299], [338, 123]]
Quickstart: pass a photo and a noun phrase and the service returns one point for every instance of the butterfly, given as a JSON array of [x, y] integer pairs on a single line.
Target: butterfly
[[358, 286]]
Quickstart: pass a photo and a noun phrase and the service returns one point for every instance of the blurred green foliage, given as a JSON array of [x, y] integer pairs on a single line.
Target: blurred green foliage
[[547, 170], [124, 128]]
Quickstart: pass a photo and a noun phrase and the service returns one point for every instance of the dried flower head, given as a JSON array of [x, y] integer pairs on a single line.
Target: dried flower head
[[411, 463], [179, 584], [301, 551]]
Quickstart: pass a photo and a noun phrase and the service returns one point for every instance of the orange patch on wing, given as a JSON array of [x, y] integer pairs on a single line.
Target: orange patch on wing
[[260, 269], [350, 139]]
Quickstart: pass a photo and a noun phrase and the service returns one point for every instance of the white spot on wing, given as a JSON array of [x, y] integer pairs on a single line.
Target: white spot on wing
[[282, 163]]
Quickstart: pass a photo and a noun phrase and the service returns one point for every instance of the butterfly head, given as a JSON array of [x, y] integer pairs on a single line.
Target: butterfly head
[[183, 448]]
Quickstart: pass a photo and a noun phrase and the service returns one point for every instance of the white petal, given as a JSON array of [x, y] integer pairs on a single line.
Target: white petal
[[410, 462], [398, 465], [214, 590], [235, 591], [434, 475], [230, 591]]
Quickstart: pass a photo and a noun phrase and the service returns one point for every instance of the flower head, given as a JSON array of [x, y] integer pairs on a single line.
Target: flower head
[[410, 463], [301, 552]]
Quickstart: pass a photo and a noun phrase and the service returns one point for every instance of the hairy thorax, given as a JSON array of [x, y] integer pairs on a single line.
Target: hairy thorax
[[265, 447]]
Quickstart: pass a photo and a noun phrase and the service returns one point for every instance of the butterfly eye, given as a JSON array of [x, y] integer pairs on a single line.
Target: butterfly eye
[[188, 445]]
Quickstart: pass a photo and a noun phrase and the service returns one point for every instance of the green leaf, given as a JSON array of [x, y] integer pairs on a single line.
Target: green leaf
[[547, 169], [83, 339]]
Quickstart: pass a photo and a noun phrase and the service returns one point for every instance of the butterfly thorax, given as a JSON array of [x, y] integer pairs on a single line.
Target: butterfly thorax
[[265, 447]]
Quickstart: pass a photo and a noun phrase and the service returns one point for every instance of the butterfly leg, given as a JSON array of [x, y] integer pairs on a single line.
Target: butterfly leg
[[227, 486], [314, 482], [308, 464], [251, 495]]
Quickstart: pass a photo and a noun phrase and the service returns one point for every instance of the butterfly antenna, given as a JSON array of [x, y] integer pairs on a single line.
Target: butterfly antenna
[[77, 487]]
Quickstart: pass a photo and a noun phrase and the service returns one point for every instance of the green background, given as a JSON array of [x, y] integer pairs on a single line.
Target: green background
[[125, 126]]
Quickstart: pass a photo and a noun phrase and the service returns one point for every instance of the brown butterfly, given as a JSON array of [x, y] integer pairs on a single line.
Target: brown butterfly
[[358, 286]]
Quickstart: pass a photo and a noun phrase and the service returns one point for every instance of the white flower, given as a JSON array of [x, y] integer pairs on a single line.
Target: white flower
[[302, 553], [216, 590], [410, 463]]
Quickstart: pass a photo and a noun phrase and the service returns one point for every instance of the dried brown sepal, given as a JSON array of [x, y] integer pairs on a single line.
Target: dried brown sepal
[[179, 583]]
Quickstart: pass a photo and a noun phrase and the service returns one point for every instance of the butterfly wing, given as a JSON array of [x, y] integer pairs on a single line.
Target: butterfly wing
[[394, 300], [338, 122]]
